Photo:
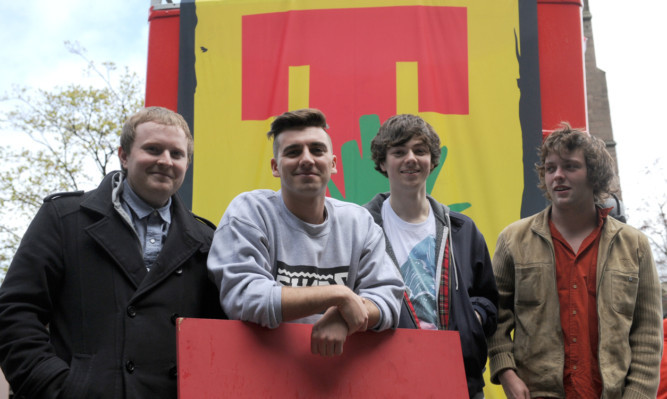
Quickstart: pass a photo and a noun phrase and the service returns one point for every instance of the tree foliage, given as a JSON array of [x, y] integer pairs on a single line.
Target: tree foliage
[[655, 228], [72, 135]]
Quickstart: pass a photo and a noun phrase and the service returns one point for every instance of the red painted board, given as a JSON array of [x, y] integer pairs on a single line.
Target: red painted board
[[225, 358]]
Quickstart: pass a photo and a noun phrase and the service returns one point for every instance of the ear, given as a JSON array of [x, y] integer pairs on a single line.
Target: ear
[[122, 156], [384, 168], [333, 165], [274, 167]]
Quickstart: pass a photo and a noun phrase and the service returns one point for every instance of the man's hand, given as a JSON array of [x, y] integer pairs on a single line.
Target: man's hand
[[513, 386], [354, 311], [329, 334]]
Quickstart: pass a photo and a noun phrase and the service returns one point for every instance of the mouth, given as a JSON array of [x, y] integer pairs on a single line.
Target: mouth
[[410, 172], [161, 175], [561, 188], [306, 173]]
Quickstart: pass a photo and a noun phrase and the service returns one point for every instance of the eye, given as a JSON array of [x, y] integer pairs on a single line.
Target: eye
[[151, 149], [550, 168], [317, 151], [397, 152], [420, 151], [177, 154]]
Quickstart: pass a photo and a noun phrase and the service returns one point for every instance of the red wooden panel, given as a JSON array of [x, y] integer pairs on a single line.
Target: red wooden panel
[[224, 358]]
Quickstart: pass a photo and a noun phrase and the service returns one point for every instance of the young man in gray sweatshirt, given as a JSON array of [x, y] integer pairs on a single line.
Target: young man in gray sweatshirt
[[297, 255]]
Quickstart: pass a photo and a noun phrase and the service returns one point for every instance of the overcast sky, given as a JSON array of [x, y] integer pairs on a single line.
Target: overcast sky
[[630, 39]]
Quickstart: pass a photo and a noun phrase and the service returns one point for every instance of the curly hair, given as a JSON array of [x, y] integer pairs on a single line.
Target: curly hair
[[599, 163], [398, 130]]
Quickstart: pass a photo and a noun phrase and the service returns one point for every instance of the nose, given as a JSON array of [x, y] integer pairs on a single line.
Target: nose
[[558, 173], [306, 157], [164, 159], [410, 156]]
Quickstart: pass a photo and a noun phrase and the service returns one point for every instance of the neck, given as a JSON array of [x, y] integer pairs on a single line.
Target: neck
[[574, 221], [309, 209], [412, 207]]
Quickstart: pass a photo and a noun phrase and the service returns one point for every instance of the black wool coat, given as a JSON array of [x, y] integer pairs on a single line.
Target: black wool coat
[[79, 316]]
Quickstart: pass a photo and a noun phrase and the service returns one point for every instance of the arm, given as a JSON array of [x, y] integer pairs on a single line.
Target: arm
[[379, 281], [26, 303], [501, 345], [484, 293], [329, 332], [239, 263], [298, 302], [646, 337], [513, 386]]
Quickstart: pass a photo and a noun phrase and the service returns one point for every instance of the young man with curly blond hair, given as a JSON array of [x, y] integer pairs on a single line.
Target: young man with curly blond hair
[[579, 289]]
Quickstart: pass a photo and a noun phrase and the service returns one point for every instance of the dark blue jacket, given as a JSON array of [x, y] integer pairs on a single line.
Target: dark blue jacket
[[476, 286]]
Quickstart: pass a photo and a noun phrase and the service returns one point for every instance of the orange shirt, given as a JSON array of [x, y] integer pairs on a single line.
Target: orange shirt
[[662, 388], [576, 280]]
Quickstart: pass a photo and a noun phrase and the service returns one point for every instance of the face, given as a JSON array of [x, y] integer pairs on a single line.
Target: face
[[408, 165], [566, 179], [157, 162], [304, 162]]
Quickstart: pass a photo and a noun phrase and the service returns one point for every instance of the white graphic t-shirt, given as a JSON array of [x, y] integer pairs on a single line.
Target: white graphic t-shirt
[[414, 248]]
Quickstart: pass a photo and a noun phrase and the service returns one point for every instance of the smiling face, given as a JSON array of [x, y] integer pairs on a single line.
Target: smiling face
[[304, 162], [157, 162], [566, 180], [408, 165]]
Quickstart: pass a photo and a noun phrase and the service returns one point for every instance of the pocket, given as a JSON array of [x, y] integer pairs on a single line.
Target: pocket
[[624, 288], [530, 285], [78, 378]]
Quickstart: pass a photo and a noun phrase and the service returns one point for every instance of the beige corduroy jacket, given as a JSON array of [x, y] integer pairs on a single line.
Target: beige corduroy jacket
[[628, 302]]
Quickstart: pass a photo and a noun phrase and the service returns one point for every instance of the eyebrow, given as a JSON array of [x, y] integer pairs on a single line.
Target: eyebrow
[[311, 144]]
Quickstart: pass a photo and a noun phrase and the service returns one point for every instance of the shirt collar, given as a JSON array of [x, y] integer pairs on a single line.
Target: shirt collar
[[140, 207]]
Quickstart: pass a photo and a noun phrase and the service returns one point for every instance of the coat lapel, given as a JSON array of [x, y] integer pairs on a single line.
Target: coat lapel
[[113, 235], [120, 243]]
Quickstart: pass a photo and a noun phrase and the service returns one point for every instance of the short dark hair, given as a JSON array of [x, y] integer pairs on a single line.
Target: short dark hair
[[296, 120], [160, 115], [398, 130], [599, 163]]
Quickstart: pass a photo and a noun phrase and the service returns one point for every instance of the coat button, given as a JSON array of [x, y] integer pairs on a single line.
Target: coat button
[[131, 311], [173, 372], [173, 318], [129, 366], [178, 271]]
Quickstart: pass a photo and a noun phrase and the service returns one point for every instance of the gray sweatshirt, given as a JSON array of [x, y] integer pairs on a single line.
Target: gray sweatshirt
[[260, 246]]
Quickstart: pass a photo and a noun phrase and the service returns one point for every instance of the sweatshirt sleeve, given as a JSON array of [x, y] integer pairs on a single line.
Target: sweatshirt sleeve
[[27, 357], [379, 280], [239, 264]]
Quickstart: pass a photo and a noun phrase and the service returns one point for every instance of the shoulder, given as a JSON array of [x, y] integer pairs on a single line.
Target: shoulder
[[525, 224], [254, 197], [352, 217], [204, 221], [65, 194], [625, 231], [66, 202], [347, 209]]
